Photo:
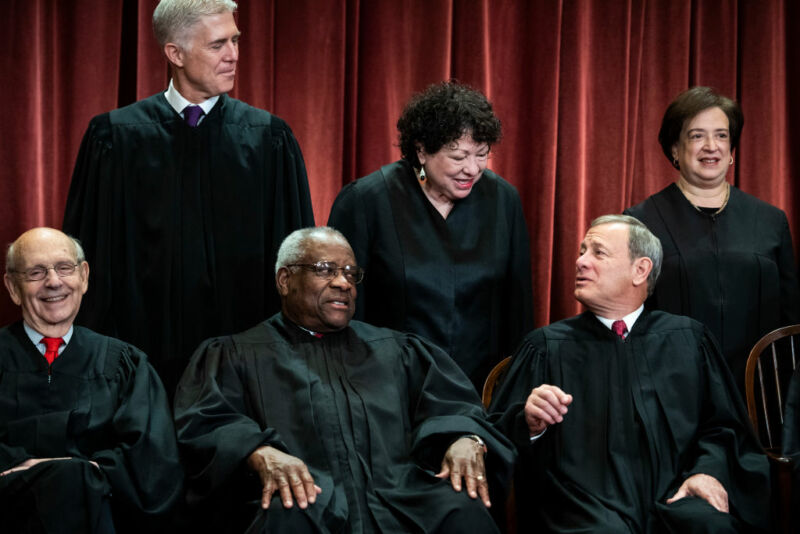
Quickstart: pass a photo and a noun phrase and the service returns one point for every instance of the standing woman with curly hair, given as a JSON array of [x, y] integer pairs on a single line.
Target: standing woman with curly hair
[[442, 238]]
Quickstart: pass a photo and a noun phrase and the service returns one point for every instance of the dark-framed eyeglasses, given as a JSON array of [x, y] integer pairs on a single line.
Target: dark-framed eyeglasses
[[35, 274], [327, 270]]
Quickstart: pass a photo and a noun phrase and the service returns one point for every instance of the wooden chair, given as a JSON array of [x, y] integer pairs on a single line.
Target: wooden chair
[[486, 396], [494, 374], [769, 370]]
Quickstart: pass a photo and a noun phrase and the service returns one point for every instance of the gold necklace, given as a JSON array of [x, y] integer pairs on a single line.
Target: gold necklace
[[695, 206]]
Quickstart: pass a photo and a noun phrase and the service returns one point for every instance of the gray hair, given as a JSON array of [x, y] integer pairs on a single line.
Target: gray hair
[[293, 248], [12, 259], [172, 19], [641, 244]]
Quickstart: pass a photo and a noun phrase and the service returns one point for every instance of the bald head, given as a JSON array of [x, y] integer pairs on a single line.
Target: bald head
[[47, 275]]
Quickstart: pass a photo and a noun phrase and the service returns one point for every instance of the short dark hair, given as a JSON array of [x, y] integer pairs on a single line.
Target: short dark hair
[[688, 104], [441, 114]]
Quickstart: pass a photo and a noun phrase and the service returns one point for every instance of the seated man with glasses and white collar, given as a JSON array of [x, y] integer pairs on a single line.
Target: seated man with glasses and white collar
[[86, 439], [312, 422]]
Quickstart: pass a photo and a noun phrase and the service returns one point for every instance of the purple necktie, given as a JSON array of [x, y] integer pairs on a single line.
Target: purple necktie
[[192, 114], [619, 328]]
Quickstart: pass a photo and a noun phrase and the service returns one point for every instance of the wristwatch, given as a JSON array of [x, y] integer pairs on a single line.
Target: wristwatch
[[477, 439]]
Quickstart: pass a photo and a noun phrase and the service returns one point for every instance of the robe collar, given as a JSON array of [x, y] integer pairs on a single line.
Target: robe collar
[[629, 319]]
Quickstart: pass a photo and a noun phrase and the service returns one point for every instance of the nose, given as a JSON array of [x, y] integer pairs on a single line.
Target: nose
[[340, 281], [580, 263], [52, 279], [711, 143], [233, 51], [472, 167]]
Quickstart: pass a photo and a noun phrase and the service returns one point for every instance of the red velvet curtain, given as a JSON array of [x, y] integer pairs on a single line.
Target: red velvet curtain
[[580, 87]]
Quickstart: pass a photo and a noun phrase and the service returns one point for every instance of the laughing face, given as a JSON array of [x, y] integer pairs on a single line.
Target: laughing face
[[50, 305], [704, 148], [311, 301], [454, 169]]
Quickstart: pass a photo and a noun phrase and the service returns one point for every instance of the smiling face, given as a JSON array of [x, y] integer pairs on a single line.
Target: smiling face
[[703, 149], [607, 281], [206, 65], [313, 302], [49, 306], [455, 168]]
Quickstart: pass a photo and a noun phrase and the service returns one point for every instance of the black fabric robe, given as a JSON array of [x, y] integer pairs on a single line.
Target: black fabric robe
[[370, 411], [734, 272], [463, 282], [99, 401], [791, 439], [181, 226], [646, 414]]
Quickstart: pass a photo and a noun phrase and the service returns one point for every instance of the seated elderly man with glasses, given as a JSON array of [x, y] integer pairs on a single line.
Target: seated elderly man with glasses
[[86, 439], [311, 422]]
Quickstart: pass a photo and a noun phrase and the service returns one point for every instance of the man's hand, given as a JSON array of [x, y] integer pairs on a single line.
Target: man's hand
[[546, 405], [707, 488], [285, 473], [27, 464], [465, 458]]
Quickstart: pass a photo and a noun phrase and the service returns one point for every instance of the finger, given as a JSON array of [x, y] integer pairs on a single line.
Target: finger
[[472, 482], [680, 494], [266, 492], [541, 409], [312, 490], [286, 492], [555, 400], [483, 490], [455, 478], [299, 491], [445, 472]]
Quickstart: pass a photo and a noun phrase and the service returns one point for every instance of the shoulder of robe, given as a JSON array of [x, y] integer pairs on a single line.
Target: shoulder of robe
[[245, 115], [119, 359], [661, 321], [762, 208], [367, 332]]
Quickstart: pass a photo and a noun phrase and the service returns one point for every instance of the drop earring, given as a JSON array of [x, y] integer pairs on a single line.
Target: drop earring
[[422, 175]]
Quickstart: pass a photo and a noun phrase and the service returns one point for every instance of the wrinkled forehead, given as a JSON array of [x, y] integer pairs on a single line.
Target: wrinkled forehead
[[611, 235], [44, 251], [329, 247]]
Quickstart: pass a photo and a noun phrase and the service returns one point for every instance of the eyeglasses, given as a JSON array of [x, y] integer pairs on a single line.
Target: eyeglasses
[[328, 271], [62, 269]]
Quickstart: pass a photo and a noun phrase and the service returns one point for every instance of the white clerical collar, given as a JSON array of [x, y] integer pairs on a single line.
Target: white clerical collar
[[178, 103], [36, 338], [629, 319]]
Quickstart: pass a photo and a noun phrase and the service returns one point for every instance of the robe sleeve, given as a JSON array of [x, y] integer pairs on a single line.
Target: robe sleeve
[[214, 431], [518, 319], [445, 407], [790, 293], [526, 371], [143, 467], [348, 215], [727, 448], [92, 214]]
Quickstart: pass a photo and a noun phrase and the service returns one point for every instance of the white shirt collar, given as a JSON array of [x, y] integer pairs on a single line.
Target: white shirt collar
[[629, 319], [36, 338], [178, 103]]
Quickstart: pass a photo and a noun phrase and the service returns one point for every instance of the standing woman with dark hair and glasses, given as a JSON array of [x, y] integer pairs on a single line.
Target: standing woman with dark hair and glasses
[[728, 258], [442, 237]]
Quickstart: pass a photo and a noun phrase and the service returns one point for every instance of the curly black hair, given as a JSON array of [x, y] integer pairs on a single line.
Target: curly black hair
[[441, 114]]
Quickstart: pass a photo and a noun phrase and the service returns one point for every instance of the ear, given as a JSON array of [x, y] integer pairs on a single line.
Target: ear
[[421, 154], [282, 281], [174, 54], [641, 270], [84, 272], [13, 291], [675, 151]]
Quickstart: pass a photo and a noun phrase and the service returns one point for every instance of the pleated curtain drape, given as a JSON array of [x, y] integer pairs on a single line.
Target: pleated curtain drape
[[580, 87]]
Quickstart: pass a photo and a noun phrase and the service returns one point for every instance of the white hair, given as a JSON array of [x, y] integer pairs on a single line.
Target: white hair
[[172, 19], [293, 248]]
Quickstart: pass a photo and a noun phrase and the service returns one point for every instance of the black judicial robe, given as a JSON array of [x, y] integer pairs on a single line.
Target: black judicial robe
[[463, 282], [181, 226], [370, 411], [734, 272], [646, 414], [99, 401]]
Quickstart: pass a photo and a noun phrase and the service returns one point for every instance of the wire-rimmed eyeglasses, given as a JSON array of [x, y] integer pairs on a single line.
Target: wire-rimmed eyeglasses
[[327, 270], [35, 274]]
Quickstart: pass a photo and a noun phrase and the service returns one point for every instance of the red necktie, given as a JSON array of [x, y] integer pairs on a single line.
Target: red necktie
[[52, 344], [619, 328]]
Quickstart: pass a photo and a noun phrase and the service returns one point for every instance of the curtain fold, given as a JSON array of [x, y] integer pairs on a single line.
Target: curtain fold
[[580, 87]]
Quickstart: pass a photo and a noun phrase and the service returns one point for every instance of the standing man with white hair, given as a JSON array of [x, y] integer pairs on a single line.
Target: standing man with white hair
[[182, 199]]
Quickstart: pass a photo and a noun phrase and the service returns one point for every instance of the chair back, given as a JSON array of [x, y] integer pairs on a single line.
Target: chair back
[[488, 386], [769, 370]]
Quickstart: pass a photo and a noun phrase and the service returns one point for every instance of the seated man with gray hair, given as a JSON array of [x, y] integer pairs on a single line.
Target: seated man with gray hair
[[628, 420], [365, 429], [86, 439]]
